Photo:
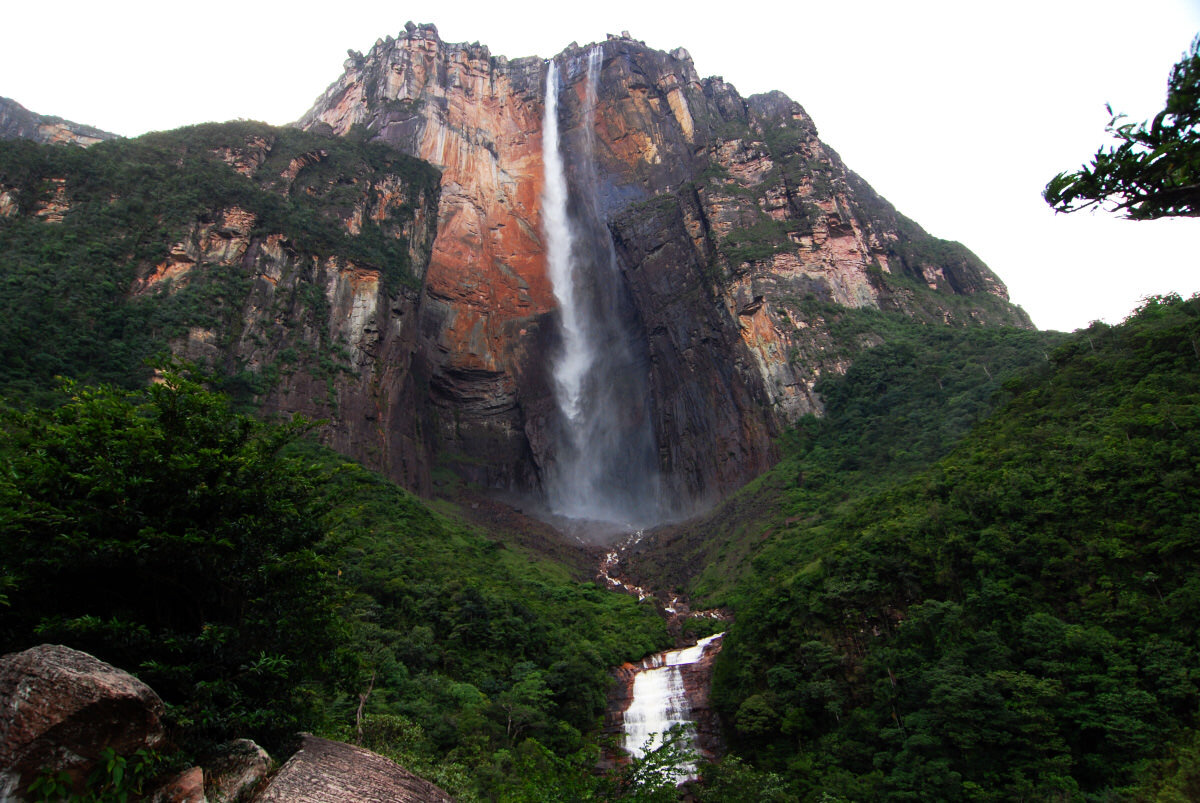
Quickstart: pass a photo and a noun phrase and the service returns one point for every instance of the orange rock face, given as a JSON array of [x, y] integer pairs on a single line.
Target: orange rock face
[[725, 211], [486, 283]]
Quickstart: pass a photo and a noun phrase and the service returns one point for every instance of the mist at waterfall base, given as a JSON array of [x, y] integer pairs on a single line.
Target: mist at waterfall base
[[602, 473]]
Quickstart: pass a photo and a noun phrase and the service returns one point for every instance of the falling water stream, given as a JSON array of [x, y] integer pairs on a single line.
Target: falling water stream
[[660, 702], [603, 464], [604, 461]]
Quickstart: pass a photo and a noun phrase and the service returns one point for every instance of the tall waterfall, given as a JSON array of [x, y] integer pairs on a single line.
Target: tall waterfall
[[604, 465]]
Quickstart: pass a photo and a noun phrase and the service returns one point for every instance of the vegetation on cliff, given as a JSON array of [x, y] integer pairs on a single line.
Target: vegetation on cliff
[[81, 227], [901, 405], [1019, 620]]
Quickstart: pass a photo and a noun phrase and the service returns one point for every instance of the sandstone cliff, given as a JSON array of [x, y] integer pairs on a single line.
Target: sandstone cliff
[[738, 232], [412, 310], [286, 261], [17, 122]]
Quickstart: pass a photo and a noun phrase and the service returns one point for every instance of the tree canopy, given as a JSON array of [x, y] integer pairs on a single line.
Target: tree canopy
[[164, 532], [1154, 169]]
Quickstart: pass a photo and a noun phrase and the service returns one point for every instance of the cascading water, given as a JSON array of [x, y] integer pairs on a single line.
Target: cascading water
[[660, 702], [604, 465]]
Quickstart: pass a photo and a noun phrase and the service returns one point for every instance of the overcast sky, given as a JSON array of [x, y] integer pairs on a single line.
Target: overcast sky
[[957, 112]]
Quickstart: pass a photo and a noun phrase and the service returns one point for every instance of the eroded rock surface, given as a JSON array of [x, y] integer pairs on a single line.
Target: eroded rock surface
[[322, 771], [17, 122], [234, 770], [186, 787], [59, 708]]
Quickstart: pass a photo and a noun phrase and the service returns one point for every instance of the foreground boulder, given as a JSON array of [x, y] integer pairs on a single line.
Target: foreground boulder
[[234, 770], [322, 771], [186, 787], [59, 708]]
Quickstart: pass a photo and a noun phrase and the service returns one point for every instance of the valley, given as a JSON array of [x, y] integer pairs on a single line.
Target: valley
[[503, 413]]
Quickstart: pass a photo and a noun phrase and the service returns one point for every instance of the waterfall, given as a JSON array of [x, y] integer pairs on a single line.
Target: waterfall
[[603, 463], [575, 354], [660, 702]]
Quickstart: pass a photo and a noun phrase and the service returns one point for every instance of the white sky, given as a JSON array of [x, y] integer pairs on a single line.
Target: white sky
[[957, 112]]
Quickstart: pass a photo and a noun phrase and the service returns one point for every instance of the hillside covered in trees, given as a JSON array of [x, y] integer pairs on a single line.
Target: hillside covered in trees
[[1016, 621], [967, 572]]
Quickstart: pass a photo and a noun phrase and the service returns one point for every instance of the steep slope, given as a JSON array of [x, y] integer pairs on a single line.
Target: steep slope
[[17, 122], [1017, 621], [737, 238], [284, 260], [901, 406], [728, 216]]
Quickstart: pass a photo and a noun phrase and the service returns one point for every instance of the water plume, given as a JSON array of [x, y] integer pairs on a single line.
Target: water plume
[[604, 464]]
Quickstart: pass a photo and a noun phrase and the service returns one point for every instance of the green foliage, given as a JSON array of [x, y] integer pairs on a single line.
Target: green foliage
[[262, 585], [66, 301], [116, 779], [732, 780], [756, 242], [162, 532], [901, 405], [654, 776], [486, 658], [1018, 621], [1154, 170]]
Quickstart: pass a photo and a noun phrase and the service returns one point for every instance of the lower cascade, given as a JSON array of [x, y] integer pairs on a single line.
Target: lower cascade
[[661, 702]]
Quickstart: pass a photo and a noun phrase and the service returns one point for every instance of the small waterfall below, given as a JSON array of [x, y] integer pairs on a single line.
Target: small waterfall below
[[661, 702], [603, 466]]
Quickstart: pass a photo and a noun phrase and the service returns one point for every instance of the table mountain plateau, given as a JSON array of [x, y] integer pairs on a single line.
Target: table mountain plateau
[[732, 233]]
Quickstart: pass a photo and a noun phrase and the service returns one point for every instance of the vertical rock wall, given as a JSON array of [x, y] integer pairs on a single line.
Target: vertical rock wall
[[731, 220]]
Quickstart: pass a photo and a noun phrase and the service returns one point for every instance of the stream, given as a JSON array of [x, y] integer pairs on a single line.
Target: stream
[[669, 688]]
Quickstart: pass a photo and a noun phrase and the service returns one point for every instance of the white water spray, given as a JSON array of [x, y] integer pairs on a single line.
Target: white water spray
[[575, 356], [660, 703], [603, 466]]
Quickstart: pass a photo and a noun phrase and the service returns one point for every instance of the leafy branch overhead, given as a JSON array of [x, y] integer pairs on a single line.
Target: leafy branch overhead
[[1154, 170]]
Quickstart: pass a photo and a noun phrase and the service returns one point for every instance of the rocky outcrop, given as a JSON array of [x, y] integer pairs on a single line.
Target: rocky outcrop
[[234, 770], [185, 787], [322, 771], [323, 333], [486, 294], [17, 122], [736, 228], [59, 708]]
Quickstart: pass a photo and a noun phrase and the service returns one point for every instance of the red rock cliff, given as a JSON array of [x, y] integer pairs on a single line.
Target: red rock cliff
[[736, 228]]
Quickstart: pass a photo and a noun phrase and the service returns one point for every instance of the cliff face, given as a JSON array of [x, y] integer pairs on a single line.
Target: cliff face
[[327, 334], [424, 324], [482, 316], [286, 261], [17, 122], [736, 229]]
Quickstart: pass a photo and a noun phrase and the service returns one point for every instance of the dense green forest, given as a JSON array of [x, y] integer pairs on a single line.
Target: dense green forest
[[1017, 621], [261, 585], [971, 578]]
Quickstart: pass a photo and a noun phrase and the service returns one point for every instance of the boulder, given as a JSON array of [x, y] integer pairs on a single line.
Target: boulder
[[234, 770], [322, 771], [59, 708], [186, 787]]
